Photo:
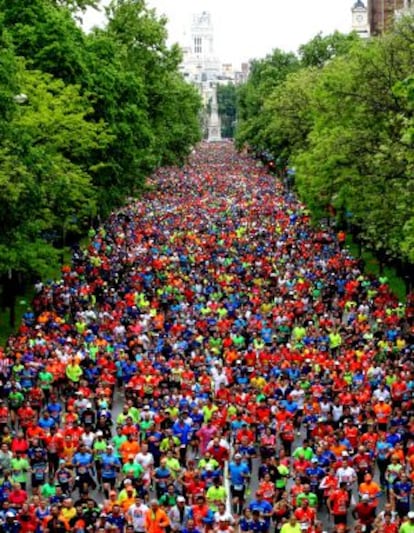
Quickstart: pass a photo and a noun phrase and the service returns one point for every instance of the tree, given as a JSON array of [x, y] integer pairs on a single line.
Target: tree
[[265, 76], [226, 99], [142, 37], [319, 50], [344, 118], [45, 189], [47, 36]]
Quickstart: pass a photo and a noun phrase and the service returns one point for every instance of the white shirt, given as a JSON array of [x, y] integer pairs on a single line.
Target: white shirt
[[337, 411], [145, 460], [346, 474], [137, 515]]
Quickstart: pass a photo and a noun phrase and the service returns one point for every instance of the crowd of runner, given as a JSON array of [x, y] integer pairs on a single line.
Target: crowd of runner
[[210, 362]]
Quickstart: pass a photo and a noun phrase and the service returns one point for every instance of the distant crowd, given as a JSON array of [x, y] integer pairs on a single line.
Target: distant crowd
[[210, 362]]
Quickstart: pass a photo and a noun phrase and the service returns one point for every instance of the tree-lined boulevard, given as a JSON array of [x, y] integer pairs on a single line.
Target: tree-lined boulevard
[[212, 358]]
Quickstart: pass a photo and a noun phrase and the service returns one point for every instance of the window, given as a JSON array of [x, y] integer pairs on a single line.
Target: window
[[197, 45]]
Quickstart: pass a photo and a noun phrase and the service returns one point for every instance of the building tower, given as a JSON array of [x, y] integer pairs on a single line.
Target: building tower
[[360, 21], [202, 47]]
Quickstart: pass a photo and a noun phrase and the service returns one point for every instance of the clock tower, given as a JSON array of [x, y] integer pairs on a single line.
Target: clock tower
[[360, 19]]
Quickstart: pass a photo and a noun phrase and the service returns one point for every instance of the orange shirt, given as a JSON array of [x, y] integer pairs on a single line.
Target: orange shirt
[[156, 521], [383, 412], [129, 448], [372, 489]]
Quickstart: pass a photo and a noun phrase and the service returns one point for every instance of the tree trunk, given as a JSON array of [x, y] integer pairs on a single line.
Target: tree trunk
[[10, 286]]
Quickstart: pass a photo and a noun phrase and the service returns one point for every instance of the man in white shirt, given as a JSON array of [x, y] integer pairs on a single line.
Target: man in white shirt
[[146, 460], [345, 473], [136, 515]]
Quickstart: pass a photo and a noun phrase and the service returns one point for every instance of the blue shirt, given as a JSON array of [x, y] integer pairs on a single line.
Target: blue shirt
[[82, 462], [182, 431], [237, 473], [263, 507], [110, 463]]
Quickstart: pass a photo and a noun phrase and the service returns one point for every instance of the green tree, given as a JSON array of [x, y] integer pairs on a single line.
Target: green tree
[[265, 75], [142, 38], [47, 36], [44, 190], [321, 49], [227, 99]]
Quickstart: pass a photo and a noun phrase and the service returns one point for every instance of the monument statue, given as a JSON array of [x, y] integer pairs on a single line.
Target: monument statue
[[214, 124]]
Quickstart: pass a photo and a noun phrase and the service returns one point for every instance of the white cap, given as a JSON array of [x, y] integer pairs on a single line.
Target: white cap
[[365, 497], [411, 515], [180, 499]]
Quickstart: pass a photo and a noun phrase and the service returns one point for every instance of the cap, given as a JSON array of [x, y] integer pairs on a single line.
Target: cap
[[314, 460], [410, 515], [345, 454], [9, 514], [181, 499], [237, 456], [365, 497]]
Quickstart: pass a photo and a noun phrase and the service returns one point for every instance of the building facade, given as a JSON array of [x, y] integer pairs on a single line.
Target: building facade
[[382, 13], [360, 19]]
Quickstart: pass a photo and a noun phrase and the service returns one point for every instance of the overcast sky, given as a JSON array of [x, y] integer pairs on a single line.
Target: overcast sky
[[245, 30]]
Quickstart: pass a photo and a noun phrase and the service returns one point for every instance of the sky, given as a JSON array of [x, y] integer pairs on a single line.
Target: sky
[[245, 30]]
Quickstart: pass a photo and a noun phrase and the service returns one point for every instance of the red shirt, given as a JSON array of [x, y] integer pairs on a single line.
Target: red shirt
[[17, 497], [19, 445], [339, 502]]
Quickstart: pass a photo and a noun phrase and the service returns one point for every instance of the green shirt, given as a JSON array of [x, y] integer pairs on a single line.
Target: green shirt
[[169, 500], [20, 467], [306, 452], [74, 372], [99, 446], [45, 379], [288, 528], [214, 495], [47, 490], [118, 440], [134, 470], [15, 399], [407, 527], [310, 496], [174, 466], [282, 481]]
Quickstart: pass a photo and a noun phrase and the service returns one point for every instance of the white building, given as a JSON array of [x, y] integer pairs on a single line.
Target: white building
[[200, 64], [201, 67], [360, 19]]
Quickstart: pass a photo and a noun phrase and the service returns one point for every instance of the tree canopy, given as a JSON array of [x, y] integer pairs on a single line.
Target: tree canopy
[[343, 118], [84, 119]]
